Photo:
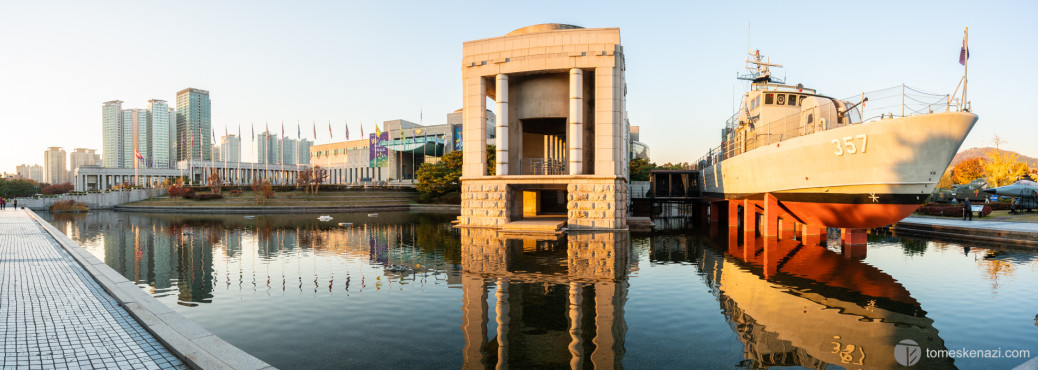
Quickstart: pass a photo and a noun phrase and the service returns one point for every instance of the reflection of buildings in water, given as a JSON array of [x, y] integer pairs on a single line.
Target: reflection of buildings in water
[[558, 302], [792, 304]]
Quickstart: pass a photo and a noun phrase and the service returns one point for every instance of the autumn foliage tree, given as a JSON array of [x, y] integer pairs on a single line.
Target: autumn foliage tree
[[178, 190], [435, 179], [310, 179], [1003, 167], [58, 188], [968, 170], [215, 182], [262, 190]]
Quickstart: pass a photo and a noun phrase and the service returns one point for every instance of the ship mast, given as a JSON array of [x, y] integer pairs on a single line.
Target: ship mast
[[759, 70]]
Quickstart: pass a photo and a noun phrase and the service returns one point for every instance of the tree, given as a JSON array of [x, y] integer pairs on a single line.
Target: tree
[[946, 180], [435, 179], [262, 190], [968, 170], [215, 182], [640, 168], [491, 160], [1002, 167], [58, 188], [317, 177], [178, 190], [17, 188]]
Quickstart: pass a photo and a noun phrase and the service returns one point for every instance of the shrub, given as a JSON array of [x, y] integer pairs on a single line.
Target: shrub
[[58, 188], [948, 210], [236, 192], [68, 206], [180, 191], [206, 196]]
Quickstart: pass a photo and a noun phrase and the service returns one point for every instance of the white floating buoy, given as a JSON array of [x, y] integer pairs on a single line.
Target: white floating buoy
[[249, 217], [325, 218], [345, 224], [372, 214]]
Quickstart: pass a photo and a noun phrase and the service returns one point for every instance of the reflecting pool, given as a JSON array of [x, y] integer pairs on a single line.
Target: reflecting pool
[[406, 290]]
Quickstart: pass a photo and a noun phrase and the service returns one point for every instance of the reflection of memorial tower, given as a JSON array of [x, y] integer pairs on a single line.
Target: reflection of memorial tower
[[561, 136], [544, 316]]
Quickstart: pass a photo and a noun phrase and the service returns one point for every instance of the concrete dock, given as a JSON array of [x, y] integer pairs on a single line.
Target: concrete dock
[[1020, 233], [61, 307]]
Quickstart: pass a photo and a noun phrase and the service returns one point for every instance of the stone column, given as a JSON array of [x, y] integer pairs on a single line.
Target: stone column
[[503, 309], [474, 154], [474, 320], [576, 121], [502, 124]]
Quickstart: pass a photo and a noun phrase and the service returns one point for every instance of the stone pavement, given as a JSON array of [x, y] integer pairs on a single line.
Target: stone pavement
[[54, 315], [1019, 233], [977, 223]]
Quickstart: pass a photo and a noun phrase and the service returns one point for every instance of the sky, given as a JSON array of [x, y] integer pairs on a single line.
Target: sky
[[268, 62]]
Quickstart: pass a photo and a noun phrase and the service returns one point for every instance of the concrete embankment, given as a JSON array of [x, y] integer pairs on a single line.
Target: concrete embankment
[[190, 343], [1018, 233], [94, 200], [292, 209]]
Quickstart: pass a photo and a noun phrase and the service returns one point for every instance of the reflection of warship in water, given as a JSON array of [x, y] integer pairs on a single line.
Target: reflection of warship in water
[[815, 307], [559, 302]]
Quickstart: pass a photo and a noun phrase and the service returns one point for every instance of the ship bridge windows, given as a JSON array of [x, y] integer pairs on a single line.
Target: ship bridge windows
[[769, 99], [782, 99]]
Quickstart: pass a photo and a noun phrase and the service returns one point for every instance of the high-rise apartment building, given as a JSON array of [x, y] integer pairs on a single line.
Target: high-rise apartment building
[[34, 172], [230, 147], [267, 149], [54, 165], [287, 151], [112, 133], [194, 124], [81, 157], [217, 157], [303, 151], [158, 116], [174, 144], [137, 133]]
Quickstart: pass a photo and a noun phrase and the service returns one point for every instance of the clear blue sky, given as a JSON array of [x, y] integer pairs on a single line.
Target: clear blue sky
[[274, 61]]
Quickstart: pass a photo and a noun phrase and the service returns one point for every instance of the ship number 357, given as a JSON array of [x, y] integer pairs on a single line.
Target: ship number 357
[[847, 145]]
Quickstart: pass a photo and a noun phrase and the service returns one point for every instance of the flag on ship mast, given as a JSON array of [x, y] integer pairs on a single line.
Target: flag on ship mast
[[964, 53]]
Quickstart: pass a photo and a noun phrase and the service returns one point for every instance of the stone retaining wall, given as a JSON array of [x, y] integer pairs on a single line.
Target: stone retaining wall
[[100, 200]]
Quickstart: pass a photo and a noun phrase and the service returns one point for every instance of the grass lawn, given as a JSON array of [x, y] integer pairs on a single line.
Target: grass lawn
[[293, 198]]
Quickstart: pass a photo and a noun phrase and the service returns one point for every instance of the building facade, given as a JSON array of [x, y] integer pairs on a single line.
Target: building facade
[[561, 141], [230, 148], [82, 157], [303, 151], [194, 125], [55, 171], [160, 140], [112, 133], [33, 172]]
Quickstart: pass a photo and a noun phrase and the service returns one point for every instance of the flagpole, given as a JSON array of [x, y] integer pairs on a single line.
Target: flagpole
[[966, 72]]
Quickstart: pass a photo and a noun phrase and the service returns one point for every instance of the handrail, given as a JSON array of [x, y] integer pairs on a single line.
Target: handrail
[[881, 104]]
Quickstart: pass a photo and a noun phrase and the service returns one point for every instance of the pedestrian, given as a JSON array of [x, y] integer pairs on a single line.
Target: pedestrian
[[967, 210], [3, 203], [16, 204]]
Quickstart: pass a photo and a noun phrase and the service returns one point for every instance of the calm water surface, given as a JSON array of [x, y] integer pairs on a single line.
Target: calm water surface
[[405, 290]]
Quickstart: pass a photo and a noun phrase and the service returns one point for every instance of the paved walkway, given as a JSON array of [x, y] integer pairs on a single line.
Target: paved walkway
[[977, 223], [54, 315]]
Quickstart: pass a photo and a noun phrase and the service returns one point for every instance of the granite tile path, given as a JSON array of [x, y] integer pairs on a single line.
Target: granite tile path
[[54, 315]]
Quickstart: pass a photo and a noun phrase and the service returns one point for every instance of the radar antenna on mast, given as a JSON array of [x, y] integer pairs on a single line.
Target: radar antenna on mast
[[759, 69]]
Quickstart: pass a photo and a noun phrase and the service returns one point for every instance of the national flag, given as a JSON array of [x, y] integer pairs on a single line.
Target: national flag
[[964, 53], [299, 131], [378, 133], [239, 132], [347, 131], [282, 129], [315, 131], [362, 129], [138, 154], [330, 135], [268, 131], [253, 127]]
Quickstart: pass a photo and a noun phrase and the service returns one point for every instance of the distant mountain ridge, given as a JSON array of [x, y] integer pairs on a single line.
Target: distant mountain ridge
[[982, 152]]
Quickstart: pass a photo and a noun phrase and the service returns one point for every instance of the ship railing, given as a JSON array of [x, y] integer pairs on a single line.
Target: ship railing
[[892, 102], [903, 101]]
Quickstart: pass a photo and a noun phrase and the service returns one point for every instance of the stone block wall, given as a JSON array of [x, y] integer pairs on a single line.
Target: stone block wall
[[597, 205], [598, 255], [484, 205], [483, 251]]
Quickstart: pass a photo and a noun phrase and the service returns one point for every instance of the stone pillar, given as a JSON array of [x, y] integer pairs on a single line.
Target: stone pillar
[[502, 124], [575, 135], [474, 320], [576, 345], [474, 156], [503, 309], [771, 216]]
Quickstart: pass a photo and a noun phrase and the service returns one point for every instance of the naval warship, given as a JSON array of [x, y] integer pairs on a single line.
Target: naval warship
[[826, 164]]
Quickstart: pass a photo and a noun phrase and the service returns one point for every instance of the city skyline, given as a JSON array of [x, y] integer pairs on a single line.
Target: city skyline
[[333, 62]]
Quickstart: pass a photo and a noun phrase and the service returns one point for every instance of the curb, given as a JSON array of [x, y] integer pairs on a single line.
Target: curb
[[288, 209], [966, 233], [197, 347]]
